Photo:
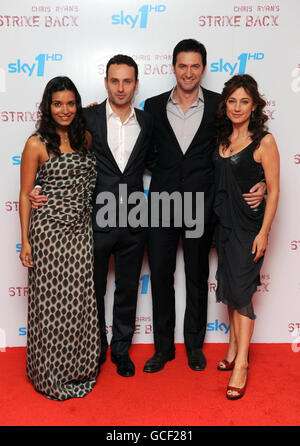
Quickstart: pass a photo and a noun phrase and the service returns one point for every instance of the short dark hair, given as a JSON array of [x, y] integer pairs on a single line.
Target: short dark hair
[[122, 59], [189, 45]]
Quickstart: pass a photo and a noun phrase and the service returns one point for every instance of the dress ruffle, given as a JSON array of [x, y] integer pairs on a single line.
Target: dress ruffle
[[238, 276]]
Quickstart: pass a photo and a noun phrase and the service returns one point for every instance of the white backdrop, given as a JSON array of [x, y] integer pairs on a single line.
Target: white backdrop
[[43, 39]]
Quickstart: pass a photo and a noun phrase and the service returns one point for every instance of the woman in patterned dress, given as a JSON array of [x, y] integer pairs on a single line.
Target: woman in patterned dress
[[63, 346]]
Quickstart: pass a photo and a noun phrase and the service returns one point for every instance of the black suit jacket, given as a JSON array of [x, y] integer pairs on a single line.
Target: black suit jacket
[[171, 169], [109, 175]]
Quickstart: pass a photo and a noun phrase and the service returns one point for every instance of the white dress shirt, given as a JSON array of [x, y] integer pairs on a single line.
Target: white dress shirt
[[121, 136]]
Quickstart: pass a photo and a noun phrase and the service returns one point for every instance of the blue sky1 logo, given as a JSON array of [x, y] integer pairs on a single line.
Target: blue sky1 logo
[[140, 19], [16, 160], [238, 66], [22, 331], [37, 66]]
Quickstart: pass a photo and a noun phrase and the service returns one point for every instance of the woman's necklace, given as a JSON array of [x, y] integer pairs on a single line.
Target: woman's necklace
[[64, 138], [232, 149]]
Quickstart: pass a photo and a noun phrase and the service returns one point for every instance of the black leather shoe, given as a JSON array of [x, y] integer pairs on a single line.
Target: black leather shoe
[[157, 362], [196, 359], [125, 366]]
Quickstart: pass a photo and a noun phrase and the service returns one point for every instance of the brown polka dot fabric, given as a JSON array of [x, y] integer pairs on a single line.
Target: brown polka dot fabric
[[63, 341]]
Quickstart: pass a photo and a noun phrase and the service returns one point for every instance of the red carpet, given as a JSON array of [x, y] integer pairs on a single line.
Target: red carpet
[[175, 396]]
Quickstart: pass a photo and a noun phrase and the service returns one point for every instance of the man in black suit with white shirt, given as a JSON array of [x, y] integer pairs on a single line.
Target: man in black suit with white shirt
[[121, 136]]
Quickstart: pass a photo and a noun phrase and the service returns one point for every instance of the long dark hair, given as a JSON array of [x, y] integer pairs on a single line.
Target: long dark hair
[[46, 125], [258, 117]]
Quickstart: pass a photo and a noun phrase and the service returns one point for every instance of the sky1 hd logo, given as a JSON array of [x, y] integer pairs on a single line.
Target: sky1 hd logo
[[238, 66], [37, 66], [138, 19]]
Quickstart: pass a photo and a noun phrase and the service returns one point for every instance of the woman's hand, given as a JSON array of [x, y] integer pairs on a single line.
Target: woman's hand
[[26, 256], [259, 246]]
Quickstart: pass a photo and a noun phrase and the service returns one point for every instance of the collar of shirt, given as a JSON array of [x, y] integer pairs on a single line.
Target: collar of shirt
[[195, 104], [111, 114]]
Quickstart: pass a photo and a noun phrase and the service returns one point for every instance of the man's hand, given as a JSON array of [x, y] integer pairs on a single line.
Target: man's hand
[[36, 199], [92, 104], [255, 195]]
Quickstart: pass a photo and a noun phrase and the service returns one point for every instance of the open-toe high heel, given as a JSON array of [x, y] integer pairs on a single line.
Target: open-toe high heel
[[240, 391], [227, 365]]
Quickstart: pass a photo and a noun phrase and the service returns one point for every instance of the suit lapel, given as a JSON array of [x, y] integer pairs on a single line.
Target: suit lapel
[[206, 114], [136, 147], [166, 122], [103, 126]]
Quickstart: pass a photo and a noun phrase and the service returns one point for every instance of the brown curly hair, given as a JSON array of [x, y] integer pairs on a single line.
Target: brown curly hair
[[258, 118]]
